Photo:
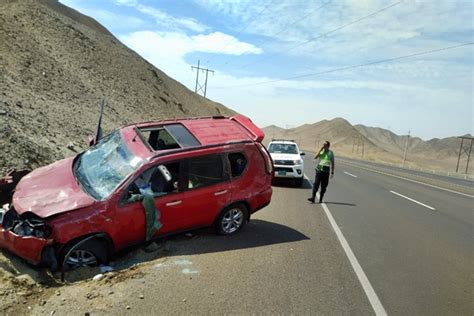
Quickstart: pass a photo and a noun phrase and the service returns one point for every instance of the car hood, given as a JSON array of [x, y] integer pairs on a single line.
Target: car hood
[[50, 190], [285, 156]]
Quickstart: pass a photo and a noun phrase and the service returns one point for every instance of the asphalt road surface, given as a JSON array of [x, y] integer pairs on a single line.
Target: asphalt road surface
[[413, 241], [380, 244], [456, 181]]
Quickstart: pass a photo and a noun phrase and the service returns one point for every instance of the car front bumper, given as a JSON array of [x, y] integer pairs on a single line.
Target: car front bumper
[[285, 171], [28, 247]]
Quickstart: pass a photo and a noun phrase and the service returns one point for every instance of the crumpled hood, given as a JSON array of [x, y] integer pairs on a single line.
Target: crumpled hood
[[50, 190], [285, 156]]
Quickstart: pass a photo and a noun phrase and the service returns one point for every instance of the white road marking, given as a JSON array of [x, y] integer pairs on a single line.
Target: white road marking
[[364, 281], [350, 174], [410, 199], [403, 178]]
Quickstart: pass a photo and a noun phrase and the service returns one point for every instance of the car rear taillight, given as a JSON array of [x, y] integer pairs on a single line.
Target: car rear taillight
[[266, 156]]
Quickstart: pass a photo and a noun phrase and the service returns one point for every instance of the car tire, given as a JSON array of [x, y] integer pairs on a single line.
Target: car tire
[[90, 253], [231, 219]]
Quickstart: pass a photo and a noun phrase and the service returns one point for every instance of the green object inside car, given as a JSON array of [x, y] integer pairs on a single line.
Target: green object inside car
[[152, 214]]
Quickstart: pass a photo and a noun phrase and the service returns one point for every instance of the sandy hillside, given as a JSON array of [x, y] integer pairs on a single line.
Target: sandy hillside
[[345, 139], [379, 144], [56, 65]]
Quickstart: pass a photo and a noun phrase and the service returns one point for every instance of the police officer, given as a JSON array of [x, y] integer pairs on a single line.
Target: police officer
[[324, 167]]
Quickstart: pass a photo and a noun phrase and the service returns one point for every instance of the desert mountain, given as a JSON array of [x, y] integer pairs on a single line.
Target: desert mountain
[[342, 135], [434, 148], [379, 144], [56, 65]]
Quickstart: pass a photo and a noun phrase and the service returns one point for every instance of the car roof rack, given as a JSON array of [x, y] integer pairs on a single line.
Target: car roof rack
[[282, 140]]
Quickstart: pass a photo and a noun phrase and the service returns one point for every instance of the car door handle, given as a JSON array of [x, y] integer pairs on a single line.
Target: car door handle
[[220, 192], [174, 203]]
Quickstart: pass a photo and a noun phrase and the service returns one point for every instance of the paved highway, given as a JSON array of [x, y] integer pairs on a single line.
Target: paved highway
[[414, 241], [468, 183], [378, 245]]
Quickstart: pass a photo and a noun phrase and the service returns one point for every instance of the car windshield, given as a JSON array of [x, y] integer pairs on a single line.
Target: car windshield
[[103, 167], [283, 149]]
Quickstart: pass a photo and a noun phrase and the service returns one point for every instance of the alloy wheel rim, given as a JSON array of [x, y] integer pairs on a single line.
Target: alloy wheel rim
[[232, 220], [81, 258]]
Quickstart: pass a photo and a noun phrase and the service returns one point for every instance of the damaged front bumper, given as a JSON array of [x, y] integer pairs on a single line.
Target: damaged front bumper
[[25, 236]]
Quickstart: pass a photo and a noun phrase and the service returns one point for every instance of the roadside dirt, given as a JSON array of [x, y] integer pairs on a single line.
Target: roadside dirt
[[30, 290]]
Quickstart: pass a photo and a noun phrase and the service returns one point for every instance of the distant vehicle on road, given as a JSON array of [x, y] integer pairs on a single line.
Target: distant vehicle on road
[[287, 160], [138, 183]]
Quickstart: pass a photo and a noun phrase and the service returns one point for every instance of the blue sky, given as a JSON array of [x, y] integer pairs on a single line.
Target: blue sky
[[256, 47]]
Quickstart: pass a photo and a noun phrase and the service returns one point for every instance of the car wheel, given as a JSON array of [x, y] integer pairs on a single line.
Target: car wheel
[[231, 219], [87, 254], [299, 182]]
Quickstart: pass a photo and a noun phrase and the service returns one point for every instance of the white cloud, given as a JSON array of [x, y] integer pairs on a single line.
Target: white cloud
[[112, 21], [163, 19], [178, 45], [167, 50], [171, 22], [117, 21], [218, 42], [130, 3]]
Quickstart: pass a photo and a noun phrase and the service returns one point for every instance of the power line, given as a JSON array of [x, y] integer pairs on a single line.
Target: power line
[[329, 32], [252, 19], [352, 67], [285, 28]]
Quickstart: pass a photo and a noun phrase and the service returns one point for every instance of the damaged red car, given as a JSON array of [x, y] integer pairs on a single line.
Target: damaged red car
[[139, 183]]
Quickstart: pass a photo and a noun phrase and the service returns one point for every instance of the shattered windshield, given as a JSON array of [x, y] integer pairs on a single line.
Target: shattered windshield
[[103, 167], [283, 149]]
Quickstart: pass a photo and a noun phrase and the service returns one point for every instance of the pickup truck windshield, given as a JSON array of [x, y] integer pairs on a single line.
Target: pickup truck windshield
[[282, 149], [104, 166]]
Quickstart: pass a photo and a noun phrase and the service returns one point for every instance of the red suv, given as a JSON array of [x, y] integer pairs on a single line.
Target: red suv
[[140, 182]]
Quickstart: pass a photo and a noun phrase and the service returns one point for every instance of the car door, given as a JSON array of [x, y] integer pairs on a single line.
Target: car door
[[207, 189], [131, 215]]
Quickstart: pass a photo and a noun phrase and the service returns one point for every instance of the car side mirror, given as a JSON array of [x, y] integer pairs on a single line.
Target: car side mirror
[[165, 173], [302, 153]]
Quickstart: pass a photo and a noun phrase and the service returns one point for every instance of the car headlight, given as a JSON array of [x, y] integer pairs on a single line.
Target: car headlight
[[298, 162]]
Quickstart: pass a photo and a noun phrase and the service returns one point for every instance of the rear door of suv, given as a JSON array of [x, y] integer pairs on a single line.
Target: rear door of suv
[[207, 189]]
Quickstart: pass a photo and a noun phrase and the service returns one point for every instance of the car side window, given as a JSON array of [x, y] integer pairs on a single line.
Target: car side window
[[153, 180], [205, 170], [238, 163]]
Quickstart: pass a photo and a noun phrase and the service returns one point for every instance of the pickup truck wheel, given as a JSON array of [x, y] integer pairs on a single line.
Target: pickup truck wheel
[[88, 254], [231, 219]]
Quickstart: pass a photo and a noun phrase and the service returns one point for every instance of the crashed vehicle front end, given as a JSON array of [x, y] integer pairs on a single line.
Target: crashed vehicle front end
[[59, 203], [26, 235]]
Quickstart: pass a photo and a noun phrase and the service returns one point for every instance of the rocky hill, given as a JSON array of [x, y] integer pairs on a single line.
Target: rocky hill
[[344, 137], [56, 65], [434, 148], [379, 144]]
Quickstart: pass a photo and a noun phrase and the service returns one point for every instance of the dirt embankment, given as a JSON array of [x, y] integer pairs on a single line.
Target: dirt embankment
[[56, 65]]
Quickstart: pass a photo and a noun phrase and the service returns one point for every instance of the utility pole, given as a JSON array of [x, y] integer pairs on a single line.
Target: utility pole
[[464, 150], [358, 142], [406, 149], [199, 87]]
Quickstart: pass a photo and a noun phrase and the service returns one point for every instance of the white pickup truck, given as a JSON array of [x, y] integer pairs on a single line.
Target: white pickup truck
[[287, 160]]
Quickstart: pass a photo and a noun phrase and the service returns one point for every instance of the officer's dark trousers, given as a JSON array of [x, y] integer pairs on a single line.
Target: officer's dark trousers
[[321, 179]]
